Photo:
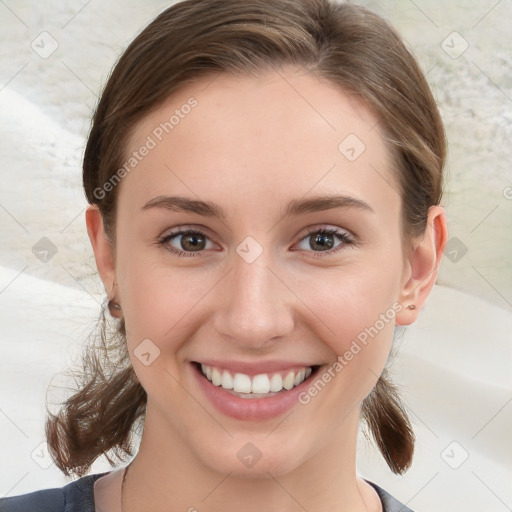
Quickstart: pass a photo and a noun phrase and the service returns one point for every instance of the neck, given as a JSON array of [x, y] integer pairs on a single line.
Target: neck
[[166, 471]]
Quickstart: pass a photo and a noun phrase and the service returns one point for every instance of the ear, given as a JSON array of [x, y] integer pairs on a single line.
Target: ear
[[102, 248], [422, 266]]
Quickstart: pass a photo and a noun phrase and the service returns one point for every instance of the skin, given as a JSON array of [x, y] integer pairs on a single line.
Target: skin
[[251, 145]]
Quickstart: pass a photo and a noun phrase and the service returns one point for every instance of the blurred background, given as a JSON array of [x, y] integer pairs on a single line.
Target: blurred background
[[453, 365]]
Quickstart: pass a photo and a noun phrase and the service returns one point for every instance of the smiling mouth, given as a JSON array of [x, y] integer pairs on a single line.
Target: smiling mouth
[[263, 385]]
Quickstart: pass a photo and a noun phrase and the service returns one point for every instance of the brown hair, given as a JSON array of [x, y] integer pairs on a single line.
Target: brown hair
[[346, 44]]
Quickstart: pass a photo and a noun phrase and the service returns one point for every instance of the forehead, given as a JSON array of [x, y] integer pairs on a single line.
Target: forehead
[[279, 135]]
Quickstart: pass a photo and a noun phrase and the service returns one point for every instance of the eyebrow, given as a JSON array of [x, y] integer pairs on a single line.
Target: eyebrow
[[294, 207]]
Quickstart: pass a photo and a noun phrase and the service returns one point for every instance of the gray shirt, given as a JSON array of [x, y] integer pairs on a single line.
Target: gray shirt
[[78, 496]]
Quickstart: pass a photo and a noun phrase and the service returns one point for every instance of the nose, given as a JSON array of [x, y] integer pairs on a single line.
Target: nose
[[254, 305]]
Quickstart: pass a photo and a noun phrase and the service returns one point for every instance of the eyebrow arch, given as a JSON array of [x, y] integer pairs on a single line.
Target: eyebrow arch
[[294, 207], [320, 203]]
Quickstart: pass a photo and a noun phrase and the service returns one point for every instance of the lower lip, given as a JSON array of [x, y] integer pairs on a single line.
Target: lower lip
[[250, 409]]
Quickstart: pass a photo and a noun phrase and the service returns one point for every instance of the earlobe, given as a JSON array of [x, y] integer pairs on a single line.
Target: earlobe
[[101, 247], [423, 264]]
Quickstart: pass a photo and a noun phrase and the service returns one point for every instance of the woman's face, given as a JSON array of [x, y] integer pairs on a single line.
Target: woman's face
[[254, 288]]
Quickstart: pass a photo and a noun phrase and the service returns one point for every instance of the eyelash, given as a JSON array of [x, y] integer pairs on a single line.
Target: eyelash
[[345, 238]]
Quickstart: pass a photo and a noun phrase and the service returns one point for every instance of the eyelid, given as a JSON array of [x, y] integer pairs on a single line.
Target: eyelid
[[186, 228], [327, 227], [346, 237], [204, 230], [335, 231]]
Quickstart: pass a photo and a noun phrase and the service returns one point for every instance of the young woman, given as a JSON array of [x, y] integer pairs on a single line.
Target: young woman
[[264, 180]]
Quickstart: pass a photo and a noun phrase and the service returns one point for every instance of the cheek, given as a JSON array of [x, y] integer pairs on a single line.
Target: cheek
[[354, 314], [156, 301], [160, 311], [347, 309], [163, 303], [348, 302]]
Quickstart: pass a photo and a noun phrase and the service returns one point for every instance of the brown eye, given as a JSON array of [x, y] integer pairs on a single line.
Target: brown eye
[[191, 243], [322, 241]]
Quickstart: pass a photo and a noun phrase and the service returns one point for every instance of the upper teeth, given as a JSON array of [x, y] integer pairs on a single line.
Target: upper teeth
[[261, 384]]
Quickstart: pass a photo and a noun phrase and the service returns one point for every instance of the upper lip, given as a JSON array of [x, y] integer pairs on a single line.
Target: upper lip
[[255, 368]]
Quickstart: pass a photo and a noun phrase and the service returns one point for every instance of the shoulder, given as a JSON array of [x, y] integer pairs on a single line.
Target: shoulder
[[77, 496], [389, 503]]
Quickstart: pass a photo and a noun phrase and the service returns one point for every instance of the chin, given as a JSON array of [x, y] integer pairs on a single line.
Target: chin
[[250, 460]]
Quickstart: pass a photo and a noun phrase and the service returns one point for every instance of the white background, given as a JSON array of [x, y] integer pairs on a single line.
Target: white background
[[453, 366]]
